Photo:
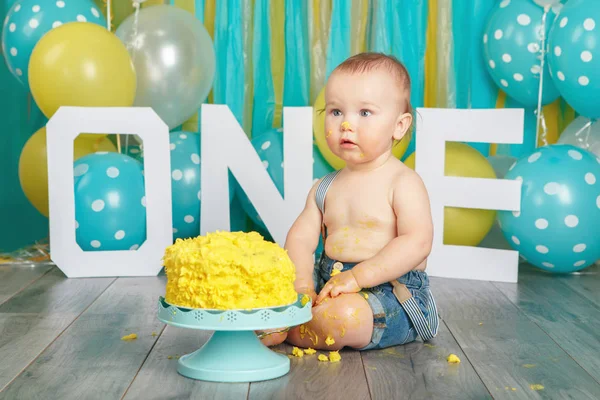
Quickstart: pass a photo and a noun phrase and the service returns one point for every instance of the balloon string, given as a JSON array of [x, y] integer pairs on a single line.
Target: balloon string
[[136, 5], [108, 15], [540, 120]]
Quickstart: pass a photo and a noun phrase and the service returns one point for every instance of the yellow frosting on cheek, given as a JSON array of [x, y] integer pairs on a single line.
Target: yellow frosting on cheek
[[228, 270]]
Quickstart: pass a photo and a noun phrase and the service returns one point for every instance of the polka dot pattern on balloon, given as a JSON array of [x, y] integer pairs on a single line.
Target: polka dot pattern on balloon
[[108, 188], [590, 178], [560, 207], [572, 60], [186, 182], [513, 57], [98, 205], [571, 221], [25, 26]]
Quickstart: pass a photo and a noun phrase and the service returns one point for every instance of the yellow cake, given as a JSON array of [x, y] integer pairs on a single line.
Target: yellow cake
[[228, 271]]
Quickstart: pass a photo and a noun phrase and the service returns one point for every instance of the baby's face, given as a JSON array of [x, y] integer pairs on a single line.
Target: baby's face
[[365, 113]]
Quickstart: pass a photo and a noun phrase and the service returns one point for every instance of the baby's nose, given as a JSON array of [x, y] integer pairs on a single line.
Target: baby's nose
[[346, 127]]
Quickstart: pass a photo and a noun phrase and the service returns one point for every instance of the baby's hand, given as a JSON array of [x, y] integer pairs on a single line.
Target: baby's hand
[[310, 292], [344, 282]]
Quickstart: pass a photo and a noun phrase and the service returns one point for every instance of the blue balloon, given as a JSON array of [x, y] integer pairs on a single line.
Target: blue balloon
[[186, 183], [574, 56], [558, 227], [28, 20], [512, 51], [110, 202], [269, 147]]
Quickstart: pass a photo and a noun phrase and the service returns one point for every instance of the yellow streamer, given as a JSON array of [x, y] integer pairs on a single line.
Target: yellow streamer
[[444, 64], [210, 9], [187, 5], [431, 57], [551, 114], [500, 101], [278, 56], [358, 26], [321, 20]]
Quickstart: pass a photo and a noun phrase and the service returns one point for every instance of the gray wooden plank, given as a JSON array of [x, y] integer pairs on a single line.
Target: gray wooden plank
[[517, 354], [34, 317], [586, 282], [469, 299], [158, 378], [89, 360], [13, 278], [421, 371], [507, 349], [312, 379], [568, 317]]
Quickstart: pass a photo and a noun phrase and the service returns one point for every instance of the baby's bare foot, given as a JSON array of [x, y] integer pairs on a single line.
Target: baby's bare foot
[[272, 339]]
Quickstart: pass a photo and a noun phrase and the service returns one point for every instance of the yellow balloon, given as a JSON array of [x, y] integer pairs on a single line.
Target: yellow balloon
[[319, 133], [81, 64], [464, 226], [33, 164]]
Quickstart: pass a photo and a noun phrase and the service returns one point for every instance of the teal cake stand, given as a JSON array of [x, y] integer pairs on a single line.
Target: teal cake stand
[[234, 353]]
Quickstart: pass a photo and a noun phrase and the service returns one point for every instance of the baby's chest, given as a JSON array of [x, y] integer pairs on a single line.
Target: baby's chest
[[357, 207]]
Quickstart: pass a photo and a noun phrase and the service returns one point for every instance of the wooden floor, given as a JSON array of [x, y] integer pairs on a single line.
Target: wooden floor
[[61, 339]]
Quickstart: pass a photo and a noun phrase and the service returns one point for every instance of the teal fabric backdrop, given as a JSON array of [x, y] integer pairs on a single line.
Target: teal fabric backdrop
[[20, 222]]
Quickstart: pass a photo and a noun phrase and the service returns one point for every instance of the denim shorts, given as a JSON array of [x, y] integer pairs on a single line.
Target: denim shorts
[[391, 324]]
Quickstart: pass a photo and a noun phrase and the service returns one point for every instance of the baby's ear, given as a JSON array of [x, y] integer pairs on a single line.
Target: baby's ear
[[402, 125]]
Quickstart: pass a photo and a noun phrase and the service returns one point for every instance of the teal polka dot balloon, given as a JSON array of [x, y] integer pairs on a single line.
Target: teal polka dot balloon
[[269, 147], [28, 20], [558, 227], [574, 55], [512, 51], [110, 202], [186, 183]]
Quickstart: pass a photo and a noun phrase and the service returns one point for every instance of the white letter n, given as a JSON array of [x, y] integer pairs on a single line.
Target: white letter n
[[225, 147]]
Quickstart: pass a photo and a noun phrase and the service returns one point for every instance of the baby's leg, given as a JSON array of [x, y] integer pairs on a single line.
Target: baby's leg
[[347, 319]]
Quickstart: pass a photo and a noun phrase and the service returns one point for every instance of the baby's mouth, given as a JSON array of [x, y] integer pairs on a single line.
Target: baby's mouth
[[347, 142]]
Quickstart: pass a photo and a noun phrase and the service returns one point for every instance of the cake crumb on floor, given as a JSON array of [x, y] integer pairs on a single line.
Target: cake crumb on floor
[[132, 336], [297, 352], [334, 356]]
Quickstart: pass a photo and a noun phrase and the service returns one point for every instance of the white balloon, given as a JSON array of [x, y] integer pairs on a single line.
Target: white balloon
[[583, 134], [174, 61]]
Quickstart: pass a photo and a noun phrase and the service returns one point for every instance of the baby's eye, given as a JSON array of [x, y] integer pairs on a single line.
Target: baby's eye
[[336, 112], [365, 113]]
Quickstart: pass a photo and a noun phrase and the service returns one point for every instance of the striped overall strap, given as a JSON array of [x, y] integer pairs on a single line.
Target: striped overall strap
[[426, 327], [322, 189]]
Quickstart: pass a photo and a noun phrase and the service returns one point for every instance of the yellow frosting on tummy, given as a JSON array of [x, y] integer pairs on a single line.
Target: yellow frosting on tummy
[[228, 270]]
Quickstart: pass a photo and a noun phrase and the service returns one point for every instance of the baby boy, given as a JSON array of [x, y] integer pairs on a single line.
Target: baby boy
[[371, 290]]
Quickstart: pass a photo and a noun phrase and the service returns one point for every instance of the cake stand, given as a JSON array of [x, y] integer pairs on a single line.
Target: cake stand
[[234, 353]]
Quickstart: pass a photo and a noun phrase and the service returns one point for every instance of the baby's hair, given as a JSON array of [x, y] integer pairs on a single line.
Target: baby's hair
[[365, 62]]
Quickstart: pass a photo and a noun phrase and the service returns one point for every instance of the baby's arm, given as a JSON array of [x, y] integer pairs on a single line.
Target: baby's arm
[[415, 235], [302, 241]]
